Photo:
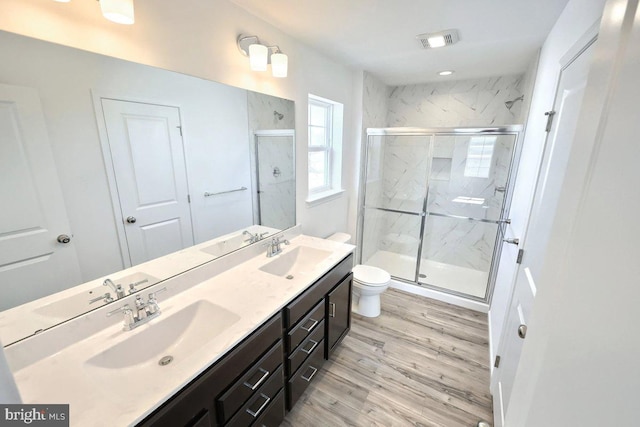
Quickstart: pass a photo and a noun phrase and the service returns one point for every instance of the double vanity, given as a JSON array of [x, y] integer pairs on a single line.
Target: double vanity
[[233, 342]]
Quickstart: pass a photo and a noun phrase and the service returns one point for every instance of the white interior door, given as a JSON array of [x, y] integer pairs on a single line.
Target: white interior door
[[32, 261], [573, 80], [150, 173]]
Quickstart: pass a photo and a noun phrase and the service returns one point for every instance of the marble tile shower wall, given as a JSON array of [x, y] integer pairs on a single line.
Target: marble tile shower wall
[[262, 109], [277, 181], [376, 97], [264, 114], [477, 102], [404, 166]]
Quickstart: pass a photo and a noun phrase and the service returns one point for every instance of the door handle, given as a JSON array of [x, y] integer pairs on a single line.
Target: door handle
[[514, 241], [131, 219], [332, 312], [522, 331]]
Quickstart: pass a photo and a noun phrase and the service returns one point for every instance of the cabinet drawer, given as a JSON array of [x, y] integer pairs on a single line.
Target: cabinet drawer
[[242, 389], [307, 325], [305, 348], [305, 302], [301, 379], [200, 394], [274, 414], [259, 402]]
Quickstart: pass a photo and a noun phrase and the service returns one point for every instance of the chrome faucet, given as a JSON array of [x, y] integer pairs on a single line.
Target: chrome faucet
[[274, 247], [116, 288], [143, 312], [254, 237]]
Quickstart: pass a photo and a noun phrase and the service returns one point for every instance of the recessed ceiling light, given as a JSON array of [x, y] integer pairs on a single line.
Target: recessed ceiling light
[[446, 73]]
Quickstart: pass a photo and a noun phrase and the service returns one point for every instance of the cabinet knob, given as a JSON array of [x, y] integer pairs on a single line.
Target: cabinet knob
[[63, 238], [131, 219]]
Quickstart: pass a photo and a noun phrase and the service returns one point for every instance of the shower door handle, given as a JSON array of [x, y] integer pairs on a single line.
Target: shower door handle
[[512, 241]]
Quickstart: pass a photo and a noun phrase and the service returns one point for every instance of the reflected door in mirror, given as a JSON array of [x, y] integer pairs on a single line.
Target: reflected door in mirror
[[146, 149], [33, 263]]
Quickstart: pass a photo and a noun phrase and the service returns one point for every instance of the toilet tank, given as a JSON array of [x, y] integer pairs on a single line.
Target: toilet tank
[[340, 237]]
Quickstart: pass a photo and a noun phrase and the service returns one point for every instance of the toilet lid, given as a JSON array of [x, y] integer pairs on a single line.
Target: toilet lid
[[369, 275]]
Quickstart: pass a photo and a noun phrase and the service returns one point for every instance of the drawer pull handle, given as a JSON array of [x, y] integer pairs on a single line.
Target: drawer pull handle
[[255, 414], [313, 347], [310, 328], [333, 309], [310, 377], [264, 376]]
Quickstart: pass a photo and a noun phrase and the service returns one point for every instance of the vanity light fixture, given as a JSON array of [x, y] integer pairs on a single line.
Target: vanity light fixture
[[446, 72], [118, 11], [261, 55]]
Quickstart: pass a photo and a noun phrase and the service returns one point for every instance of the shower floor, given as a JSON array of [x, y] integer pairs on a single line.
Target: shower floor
[[451, 277]]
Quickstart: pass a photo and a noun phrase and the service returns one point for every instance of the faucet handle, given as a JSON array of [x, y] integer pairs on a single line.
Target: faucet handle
[[125, 309], [106, 297], [152, 295]]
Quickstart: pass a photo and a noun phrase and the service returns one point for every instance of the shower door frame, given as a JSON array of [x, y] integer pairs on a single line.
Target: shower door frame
[[515, 130]]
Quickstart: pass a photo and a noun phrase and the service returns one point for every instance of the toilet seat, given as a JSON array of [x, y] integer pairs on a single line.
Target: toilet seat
[[370, 276]]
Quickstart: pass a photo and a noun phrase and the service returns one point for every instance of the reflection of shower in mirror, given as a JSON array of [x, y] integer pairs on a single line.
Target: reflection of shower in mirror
[[277, 115]]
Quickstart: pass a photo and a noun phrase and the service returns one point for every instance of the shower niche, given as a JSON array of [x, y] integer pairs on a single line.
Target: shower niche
[[435, 203]]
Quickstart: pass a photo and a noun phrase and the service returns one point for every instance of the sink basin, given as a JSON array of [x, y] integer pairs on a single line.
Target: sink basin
[[177, 336], [225, 246], [299, 260]]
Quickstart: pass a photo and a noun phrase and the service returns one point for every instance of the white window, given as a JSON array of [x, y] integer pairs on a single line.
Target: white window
[[325, 148], [479, 156]]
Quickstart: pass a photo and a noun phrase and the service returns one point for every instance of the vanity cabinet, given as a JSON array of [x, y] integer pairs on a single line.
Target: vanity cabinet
[[242, 387], [322, 311], [247, 386], [338, 313]]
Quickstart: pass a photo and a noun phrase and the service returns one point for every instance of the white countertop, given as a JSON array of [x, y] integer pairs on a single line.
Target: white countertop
[[51, 367]]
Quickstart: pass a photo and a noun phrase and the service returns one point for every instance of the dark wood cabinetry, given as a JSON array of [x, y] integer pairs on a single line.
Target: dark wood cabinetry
[[231, 383], [338, 313], [252, 383]]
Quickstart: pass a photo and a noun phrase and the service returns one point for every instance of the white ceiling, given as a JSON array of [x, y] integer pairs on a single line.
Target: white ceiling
[[497, 37]]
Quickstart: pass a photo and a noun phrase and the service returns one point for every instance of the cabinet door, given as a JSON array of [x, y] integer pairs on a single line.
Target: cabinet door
[[338, 313]]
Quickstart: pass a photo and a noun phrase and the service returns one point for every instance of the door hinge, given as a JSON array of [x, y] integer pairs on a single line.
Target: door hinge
[[180, 129], [549, 115], [188, 198], [520, 255], [496, 364]]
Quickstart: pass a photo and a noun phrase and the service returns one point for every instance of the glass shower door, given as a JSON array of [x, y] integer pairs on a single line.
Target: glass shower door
[[276, 178], [396, 182], [466, 199]]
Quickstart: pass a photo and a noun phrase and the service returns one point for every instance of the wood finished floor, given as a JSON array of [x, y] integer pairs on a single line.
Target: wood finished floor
[[421, 363]]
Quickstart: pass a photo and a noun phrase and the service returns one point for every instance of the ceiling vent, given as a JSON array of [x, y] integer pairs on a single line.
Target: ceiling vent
[[439, 39]]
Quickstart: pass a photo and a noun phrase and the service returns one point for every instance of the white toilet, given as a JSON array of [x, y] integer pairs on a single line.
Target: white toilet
[[368, 284]]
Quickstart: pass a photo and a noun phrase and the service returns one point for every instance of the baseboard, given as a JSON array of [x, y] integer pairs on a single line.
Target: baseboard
[[441, 296]]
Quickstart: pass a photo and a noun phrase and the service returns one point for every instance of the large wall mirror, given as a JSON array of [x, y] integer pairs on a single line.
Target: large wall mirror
[[107, 165]]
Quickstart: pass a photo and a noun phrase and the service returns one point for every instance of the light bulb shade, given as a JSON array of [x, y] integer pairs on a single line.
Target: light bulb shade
[[119, 11], [258, 55], [62, 1], [279, 64]]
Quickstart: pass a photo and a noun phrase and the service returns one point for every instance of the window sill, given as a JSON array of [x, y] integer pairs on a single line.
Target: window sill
[[320, 198]]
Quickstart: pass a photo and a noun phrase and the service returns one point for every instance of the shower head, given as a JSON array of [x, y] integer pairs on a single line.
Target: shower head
[[509, 104], [279, 116]]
